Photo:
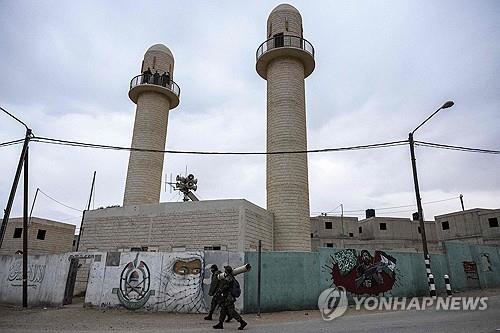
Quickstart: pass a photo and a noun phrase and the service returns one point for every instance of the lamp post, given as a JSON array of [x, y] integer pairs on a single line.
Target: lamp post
[[415, 178]]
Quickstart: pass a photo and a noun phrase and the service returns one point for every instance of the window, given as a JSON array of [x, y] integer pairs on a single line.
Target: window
[[328, 225], [445, 225], [212, 248], [383, 226], [351, 234], [329, 244], [493, 221], [360, 229], [74, 242], [18, 232], [311, 235], [41, 234], [139, 249], [419, 230]]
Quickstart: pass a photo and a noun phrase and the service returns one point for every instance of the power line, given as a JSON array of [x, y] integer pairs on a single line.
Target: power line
[[102, 146], [395, 207], [459, 148], [63, 204], [10, 114], [10, 143]]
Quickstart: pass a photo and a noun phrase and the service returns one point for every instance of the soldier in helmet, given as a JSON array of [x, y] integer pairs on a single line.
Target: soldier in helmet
[[212, 291], [226, 292]]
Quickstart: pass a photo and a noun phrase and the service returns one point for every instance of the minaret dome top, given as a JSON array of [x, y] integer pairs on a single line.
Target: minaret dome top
[[159, 58], [284, 19]]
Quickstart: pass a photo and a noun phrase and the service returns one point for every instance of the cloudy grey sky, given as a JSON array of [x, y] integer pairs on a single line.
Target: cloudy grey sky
[[381, 68]]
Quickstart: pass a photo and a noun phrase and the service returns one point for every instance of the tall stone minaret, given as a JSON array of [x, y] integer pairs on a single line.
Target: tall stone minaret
[[285, 59], [154, 95]]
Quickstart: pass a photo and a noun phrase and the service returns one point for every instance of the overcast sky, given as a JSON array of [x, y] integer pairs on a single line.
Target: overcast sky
[[381, 68]]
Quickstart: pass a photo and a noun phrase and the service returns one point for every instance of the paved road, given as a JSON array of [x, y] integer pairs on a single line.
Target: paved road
[[77, 319]]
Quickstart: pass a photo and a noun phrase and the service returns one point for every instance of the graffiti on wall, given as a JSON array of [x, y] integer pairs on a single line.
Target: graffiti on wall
[[36, 273], [181, 283], [362, 273], [135, 281], [178, 280]]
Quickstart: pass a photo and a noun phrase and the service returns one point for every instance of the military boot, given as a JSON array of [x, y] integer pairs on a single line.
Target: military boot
[[209, 317], [242, 324], [219, 326]]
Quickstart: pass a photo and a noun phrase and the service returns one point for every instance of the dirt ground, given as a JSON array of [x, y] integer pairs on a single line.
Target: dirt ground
[[76, 318]]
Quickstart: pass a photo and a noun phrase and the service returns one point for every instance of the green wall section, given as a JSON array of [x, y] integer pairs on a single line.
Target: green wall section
[[289, 281], [294, 280]]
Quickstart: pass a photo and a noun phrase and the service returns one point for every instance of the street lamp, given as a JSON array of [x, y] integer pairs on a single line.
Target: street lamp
[[446, 105]]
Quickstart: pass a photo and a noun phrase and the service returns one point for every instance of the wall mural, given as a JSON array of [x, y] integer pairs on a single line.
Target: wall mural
[[181, 283], [135, 281], [362, 273]]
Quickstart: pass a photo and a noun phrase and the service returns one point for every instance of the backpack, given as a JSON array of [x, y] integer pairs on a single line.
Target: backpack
[[235, 288]]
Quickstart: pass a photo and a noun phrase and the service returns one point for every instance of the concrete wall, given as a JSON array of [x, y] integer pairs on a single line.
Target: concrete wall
[[292, 281], [164, 281], [47, 275], [234, 225], [58, 237]]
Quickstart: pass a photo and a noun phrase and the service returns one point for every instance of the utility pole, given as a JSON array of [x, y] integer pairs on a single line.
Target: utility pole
[[462, 201], [25, 231], [83, 214], [23, 162], [342, 224], [446, 105], [417, 194], [13, 189]]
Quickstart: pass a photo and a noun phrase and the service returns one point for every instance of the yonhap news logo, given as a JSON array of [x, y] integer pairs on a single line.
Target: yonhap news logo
[[332, 303]]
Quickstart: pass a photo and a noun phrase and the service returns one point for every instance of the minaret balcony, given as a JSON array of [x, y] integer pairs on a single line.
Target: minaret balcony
[[285, 46], [161, 84]]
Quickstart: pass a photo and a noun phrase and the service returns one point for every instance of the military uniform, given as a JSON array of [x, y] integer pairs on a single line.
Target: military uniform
[[228, 300]]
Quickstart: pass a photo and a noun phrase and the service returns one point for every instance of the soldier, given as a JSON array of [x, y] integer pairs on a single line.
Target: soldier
[[211, 292], [226, 291], [216, 299], [146, 75]]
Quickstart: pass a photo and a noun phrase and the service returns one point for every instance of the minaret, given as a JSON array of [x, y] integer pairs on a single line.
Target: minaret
[[155, 93], [285, 59]]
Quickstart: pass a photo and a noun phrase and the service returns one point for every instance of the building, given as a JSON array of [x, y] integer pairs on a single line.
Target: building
[[44, 237], [284, 60], [382, 233], [234, 225], [475, 226]]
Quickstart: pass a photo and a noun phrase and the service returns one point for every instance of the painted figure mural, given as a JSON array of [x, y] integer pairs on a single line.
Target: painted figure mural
[[363, 273], [176, 287], [181, 283]]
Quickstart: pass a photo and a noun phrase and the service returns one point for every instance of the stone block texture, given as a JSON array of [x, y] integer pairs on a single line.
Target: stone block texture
[[58, 237], [145, 169], [235, 225], [287, 174]]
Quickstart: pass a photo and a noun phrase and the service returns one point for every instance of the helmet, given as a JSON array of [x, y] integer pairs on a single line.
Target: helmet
[[228, 269], [214, 268]]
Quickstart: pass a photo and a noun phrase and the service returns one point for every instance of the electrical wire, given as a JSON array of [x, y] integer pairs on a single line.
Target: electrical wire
[[459, 148], [55, 200], [191, 152], [10, 114], [10, 143], [393, 207]]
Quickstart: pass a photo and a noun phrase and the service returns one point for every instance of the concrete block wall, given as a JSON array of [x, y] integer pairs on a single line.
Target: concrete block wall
[[292, 281], [47, 275], [233, 225], [175, 281]]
